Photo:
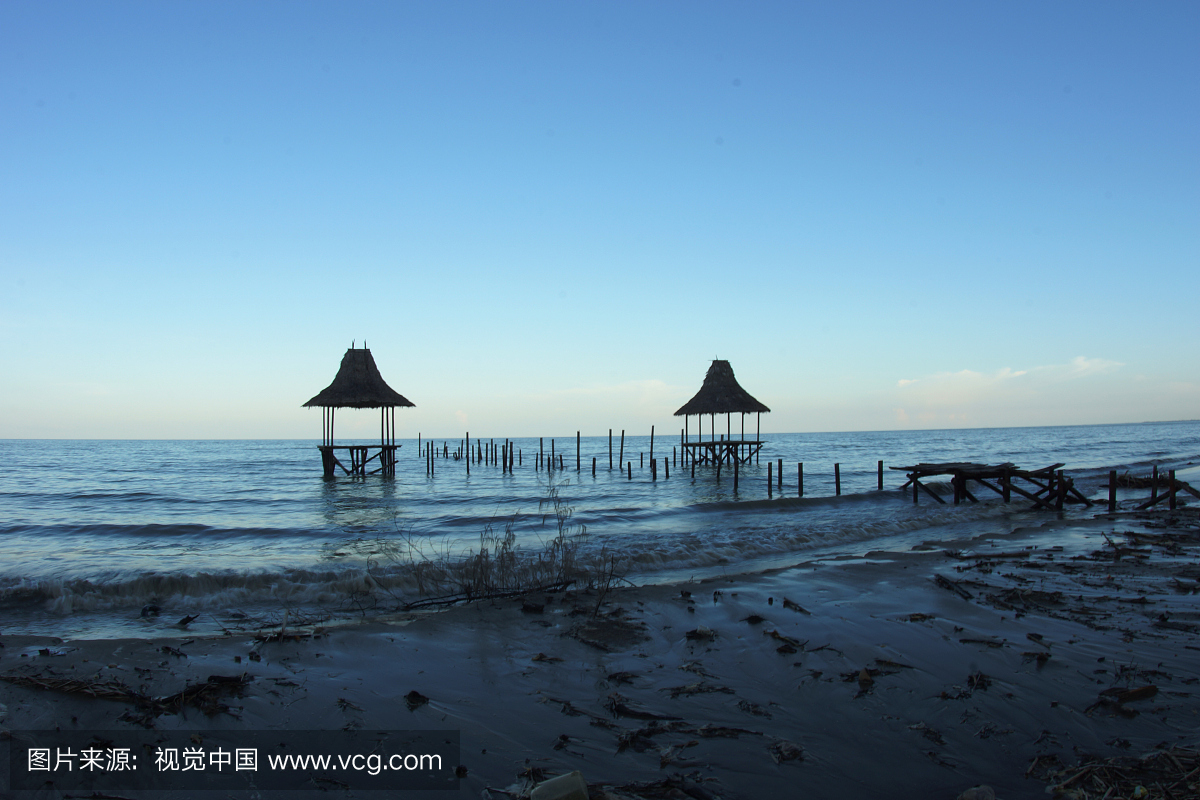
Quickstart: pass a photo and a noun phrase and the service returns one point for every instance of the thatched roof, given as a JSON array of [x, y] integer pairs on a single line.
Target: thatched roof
[[358, 384], [721, 394]]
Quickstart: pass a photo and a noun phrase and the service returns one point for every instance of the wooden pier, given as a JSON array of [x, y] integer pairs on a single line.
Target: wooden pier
[[1051, 488]]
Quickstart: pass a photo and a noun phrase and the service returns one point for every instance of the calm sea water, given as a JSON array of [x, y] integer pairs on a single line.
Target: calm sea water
[[91, 531]]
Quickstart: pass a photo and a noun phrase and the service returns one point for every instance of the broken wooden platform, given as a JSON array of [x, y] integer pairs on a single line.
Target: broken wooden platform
[[1051, 488], [723, 451]]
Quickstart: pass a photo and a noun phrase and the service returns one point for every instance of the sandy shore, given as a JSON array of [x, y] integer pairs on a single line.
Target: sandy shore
[[1000, 661]]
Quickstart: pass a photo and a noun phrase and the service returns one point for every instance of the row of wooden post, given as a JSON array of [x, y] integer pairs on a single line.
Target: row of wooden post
[[488, 454], [506, 455]]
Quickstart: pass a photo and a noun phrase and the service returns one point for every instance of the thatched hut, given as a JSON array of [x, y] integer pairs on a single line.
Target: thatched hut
[[358, 384], [722, 394]]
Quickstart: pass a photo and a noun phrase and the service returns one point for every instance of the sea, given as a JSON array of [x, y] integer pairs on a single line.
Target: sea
[[104, 539]]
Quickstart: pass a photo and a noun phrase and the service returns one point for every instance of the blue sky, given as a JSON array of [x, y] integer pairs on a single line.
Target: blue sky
[[549, 217]]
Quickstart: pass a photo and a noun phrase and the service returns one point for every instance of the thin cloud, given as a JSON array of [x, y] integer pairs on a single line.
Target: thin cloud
[[1082, 365]]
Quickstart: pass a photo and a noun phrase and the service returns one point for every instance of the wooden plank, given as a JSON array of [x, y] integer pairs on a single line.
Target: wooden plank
[[918, 485]]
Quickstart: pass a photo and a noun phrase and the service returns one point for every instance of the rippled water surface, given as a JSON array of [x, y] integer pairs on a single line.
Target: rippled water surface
[[90, 531]]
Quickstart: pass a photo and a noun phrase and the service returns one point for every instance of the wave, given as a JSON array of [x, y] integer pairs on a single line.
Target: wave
[[395, 568], [155, 530]]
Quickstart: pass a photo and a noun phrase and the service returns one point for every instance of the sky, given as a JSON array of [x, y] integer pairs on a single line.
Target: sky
[[545, 217]]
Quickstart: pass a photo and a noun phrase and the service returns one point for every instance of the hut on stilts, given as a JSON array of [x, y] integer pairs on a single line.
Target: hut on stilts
[[721, 394], [358, 384]]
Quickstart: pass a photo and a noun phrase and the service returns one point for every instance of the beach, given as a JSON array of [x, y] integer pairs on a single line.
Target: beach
[[1005, 660]]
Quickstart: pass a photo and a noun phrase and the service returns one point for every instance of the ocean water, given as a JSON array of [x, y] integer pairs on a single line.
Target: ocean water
[[93, 531]]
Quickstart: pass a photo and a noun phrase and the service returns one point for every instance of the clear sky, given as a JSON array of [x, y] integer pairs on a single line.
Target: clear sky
[[549, 217]]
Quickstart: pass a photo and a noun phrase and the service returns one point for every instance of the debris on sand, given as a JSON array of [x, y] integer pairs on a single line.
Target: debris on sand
[[1174, 771], [699, 687], [205, 696], [609, 633], [793, 606], [782, 750], [618, 706]]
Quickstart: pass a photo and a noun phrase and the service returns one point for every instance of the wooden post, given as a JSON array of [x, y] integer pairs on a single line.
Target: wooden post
[[780, 476], [837, 479], [1154, 485], [630, 470], [1062, 490], [666, 468], [610, 449], [1171, 478], [1112, 491], [593, 466], [622, 455], [735, 475], [800, 478], [541, 450], [881, 475], [770, 483], [653, 470], [577, 451], [551, 450], [651, 442], [758, 434], [641, 460], [675, 456]]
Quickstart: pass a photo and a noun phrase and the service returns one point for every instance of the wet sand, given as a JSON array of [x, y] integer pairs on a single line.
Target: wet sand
[[1000, 661]]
